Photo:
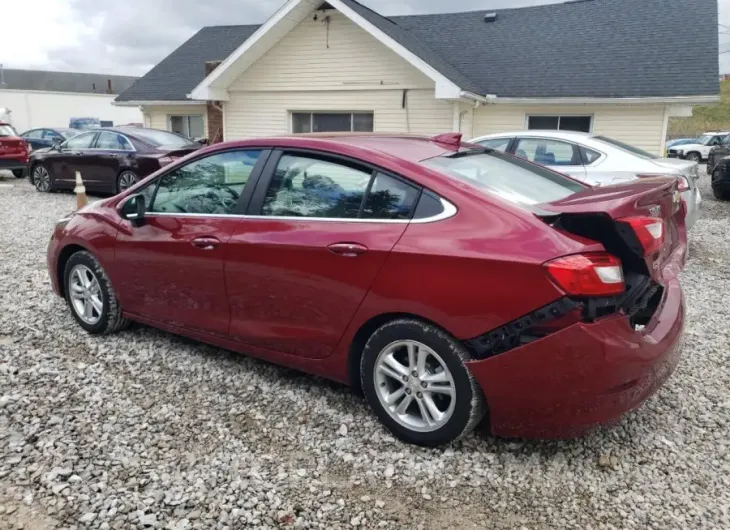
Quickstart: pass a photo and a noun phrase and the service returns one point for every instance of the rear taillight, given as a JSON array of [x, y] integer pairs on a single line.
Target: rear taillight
[[590, 274], [649, 231], [683, 184]]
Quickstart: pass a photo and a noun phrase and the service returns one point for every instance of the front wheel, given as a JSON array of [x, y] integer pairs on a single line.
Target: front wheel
[[694, 157], [414, 377], [41, 179], [90, 295], [721, 195]]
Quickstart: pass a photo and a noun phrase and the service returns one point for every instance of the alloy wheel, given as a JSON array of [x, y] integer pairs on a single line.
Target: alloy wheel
[[127, 180], [85, 294], [41, 179], [415, 386]]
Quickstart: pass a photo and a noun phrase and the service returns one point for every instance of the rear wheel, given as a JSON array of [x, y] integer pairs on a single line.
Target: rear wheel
[[126, 180], [19, 173], [721, 195], [41, 179], [414, 378], [90, 295], [694, 157]]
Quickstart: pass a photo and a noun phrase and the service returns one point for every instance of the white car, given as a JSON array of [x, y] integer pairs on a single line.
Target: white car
[[700, 149], [598, 160]]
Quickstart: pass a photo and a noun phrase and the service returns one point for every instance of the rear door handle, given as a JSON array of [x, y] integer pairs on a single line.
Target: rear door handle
[[348, 250], [206, 243]]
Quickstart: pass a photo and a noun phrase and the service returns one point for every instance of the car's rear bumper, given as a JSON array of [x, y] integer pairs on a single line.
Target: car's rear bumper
[[584, 375], [692, 199], [14, 163]]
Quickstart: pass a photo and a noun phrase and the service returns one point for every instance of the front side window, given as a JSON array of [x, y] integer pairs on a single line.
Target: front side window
[[308, 122], [560, 123], [192, 126], [507, 177], [82, 141], [498, 144], [313, 187], [210, 185], [548, 152]]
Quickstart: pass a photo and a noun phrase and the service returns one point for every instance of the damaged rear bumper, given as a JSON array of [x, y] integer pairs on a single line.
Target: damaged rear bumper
[[563, 384]]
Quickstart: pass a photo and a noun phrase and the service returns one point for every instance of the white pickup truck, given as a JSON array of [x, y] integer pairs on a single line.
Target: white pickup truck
[[700, 150]]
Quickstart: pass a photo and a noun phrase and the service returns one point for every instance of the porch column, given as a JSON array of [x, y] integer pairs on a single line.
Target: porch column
[[214, 111]]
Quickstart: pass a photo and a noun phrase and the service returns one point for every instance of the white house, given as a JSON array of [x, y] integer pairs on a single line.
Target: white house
[[50, 99], [620, 68]]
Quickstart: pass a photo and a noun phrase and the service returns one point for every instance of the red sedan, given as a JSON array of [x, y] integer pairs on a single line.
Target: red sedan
[[443, 279]]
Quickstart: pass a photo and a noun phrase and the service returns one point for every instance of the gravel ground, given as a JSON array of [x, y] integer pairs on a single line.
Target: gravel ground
[[148, 430]]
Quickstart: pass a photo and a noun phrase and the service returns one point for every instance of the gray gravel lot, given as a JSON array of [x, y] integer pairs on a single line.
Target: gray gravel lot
[[148, 430]]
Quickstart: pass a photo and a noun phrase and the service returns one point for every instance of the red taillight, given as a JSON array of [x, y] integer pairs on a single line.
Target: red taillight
[[649, 231], [590, 274]]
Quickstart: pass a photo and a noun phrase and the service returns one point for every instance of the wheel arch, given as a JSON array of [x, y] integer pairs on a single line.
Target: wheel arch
[[357, 345], [63, 256]]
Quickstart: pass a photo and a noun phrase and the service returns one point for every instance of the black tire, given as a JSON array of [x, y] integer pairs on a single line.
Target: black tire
[[124, 178], [36, 178], [110, 318], [721, 195], [19, 173], [469, 407], [694, 157]]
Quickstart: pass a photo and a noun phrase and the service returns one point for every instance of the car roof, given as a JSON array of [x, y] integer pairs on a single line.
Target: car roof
[[551, 133], [410, 147], [717, 132]]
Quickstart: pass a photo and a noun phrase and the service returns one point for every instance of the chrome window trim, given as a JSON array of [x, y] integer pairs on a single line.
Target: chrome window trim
[[449, 211]]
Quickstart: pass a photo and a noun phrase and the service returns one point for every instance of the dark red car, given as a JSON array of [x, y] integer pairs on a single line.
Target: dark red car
[[110, 160], [443, 279], [13, 151]]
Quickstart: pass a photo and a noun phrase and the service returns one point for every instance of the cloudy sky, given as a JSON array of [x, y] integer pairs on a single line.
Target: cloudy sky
[[131, 36]]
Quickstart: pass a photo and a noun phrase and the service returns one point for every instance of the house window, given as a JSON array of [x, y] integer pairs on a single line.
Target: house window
[[190, 126], [560, 123], [306, 122]]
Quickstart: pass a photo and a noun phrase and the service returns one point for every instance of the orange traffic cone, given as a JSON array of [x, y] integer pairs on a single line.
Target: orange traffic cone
[[81, 198]]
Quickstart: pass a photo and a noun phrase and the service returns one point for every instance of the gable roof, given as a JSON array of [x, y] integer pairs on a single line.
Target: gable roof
[[175, 77], [14, 79], [578, 49]]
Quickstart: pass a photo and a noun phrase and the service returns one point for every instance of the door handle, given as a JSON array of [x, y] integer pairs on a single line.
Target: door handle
[[348, 250], [206, 243]]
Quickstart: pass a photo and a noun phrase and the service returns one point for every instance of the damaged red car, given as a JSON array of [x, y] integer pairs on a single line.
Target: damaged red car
[[446, 281]]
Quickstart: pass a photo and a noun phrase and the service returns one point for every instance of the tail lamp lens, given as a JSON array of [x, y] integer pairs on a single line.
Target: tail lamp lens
[[591, 274], [649, 231]]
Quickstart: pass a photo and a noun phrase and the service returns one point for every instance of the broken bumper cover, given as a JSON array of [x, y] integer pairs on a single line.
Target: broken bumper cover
[[584, 375]]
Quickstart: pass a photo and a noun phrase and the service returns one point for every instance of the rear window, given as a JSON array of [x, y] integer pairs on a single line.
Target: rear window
[[508, 177], [626, 147], [7, 130], [160, 138]]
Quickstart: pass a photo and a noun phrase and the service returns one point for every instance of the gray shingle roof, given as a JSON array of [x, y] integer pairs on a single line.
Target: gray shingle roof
[[587, 48], [65, 81], [181, 71]]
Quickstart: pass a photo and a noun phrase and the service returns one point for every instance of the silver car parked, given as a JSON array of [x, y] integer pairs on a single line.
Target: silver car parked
[[598, 160]]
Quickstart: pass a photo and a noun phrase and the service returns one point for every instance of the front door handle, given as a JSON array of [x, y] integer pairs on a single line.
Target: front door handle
[[206, 243], [348, 250]]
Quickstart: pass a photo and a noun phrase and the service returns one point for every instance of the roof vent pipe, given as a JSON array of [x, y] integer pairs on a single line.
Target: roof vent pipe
[[490, 17]]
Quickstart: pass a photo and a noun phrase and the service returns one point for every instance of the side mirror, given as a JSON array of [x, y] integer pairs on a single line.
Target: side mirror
[[133, 209]]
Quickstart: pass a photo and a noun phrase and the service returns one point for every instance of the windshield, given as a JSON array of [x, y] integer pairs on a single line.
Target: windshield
[[508, 177], [160, 138], [626, 147], [7, 130]]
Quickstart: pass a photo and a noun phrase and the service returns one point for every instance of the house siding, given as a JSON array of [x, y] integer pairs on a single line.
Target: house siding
[[250, 114], [156, 117], [334, 56], [639, 125]]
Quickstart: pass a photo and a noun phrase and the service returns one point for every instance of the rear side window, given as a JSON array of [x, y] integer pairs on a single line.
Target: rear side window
[[317, 187], [589, 155], [498, 144], [548, 152], [507, 177]]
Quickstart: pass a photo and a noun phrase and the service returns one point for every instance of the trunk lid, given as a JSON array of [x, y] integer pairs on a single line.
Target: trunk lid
[[10, 145], [686, 167], [603, 215]]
